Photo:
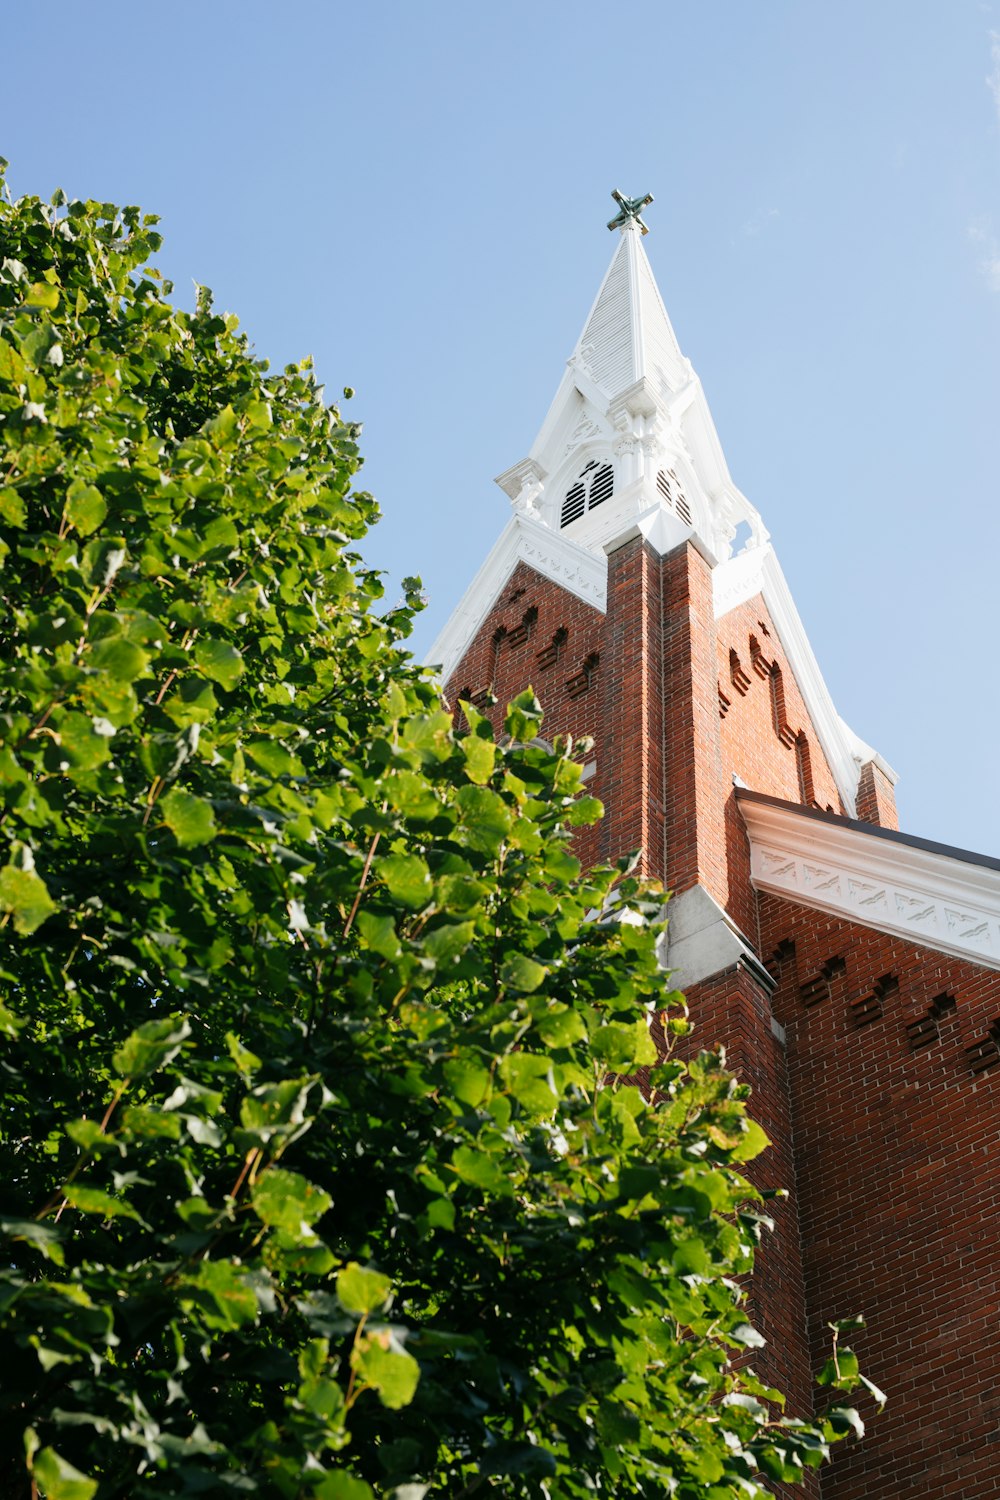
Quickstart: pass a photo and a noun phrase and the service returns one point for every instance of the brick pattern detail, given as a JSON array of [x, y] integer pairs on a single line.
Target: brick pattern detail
[[985, 1053], [926, 1029], [825, 982], [895, 1124], [758, 743]]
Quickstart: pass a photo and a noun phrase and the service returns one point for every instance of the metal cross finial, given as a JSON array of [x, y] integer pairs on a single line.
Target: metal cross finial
[[630, 209]]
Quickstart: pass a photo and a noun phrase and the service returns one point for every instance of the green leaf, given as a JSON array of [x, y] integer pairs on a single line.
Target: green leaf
[[479, 755], [468, 1080], [845, 1421], [486, 818], [752, 1141], [246, 1061], [341, 1485], [151, 1046], [55, 1476], [221, 1294], [41, 294], [288, 1201], [584, 811], [362, 1290], [407, 878], [446, 944], [521, 973], [190, 819], [480, 1170], [42, 1237], [223, 427], [529, 1079], [561, 1027], [622, 1047], [880, 1396], [24, 894], [119, 658], [94, 1200], [379, 934], [85, 508], [12, 507], [220, 661], [83, 741], [258, 414], [392, 1372]]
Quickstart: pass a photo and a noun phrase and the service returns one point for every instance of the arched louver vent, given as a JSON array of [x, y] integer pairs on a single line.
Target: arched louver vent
[[669, 487], [575, 503], [595, 485], [603, 486]]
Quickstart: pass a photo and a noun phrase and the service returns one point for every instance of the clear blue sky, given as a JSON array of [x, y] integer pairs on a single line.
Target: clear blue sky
[[416, 194]]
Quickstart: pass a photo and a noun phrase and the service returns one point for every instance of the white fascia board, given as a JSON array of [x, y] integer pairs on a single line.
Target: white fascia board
[[923, 893], [574, 568], [758, 571]]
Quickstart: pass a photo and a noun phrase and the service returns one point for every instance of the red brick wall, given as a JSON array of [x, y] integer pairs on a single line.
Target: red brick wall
[[630, 742], [894, 1074], [695, 790]]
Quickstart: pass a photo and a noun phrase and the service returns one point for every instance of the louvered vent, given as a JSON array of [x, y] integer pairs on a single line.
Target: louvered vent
[[669, 487], [595, 485], [602, 486], [574, 503]]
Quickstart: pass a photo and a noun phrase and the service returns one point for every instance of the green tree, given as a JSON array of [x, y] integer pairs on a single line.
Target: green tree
[[312, 1175]]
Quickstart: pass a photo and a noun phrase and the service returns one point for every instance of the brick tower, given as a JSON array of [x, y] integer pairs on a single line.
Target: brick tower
[[850, 969]]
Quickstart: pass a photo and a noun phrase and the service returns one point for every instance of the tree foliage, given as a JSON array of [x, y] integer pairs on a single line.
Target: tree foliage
[[315, 1181]]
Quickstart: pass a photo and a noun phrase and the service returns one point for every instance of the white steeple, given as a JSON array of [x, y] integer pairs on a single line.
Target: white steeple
[[629, 440], [629, 448]]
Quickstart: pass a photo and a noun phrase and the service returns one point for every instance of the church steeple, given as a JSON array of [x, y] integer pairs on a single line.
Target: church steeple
[[627, 452], [629, 439]]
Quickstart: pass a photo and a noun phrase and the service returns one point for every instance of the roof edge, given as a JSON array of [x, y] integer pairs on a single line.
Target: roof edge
[[928, 893]]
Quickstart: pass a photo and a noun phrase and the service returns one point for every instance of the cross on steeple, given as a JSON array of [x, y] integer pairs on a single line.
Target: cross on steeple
[[630, 209]]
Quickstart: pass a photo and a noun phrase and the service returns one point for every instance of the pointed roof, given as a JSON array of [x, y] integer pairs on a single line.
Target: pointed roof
[[627, 336]]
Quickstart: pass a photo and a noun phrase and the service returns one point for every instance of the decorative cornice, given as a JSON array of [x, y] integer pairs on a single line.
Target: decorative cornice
[[942, 898], [574, 568]]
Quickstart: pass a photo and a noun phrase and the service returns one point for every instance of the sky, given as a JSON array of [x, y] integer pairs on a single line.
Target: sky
[[416, 195]]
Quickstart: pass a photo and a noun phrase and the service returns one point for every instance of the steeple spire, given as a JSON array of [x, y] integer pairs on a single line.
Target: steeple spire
[[629, 440]]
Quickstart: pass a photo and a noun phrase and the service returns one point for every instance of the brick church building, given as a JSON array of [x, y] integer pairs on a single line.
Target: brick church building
[[849, 969]]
